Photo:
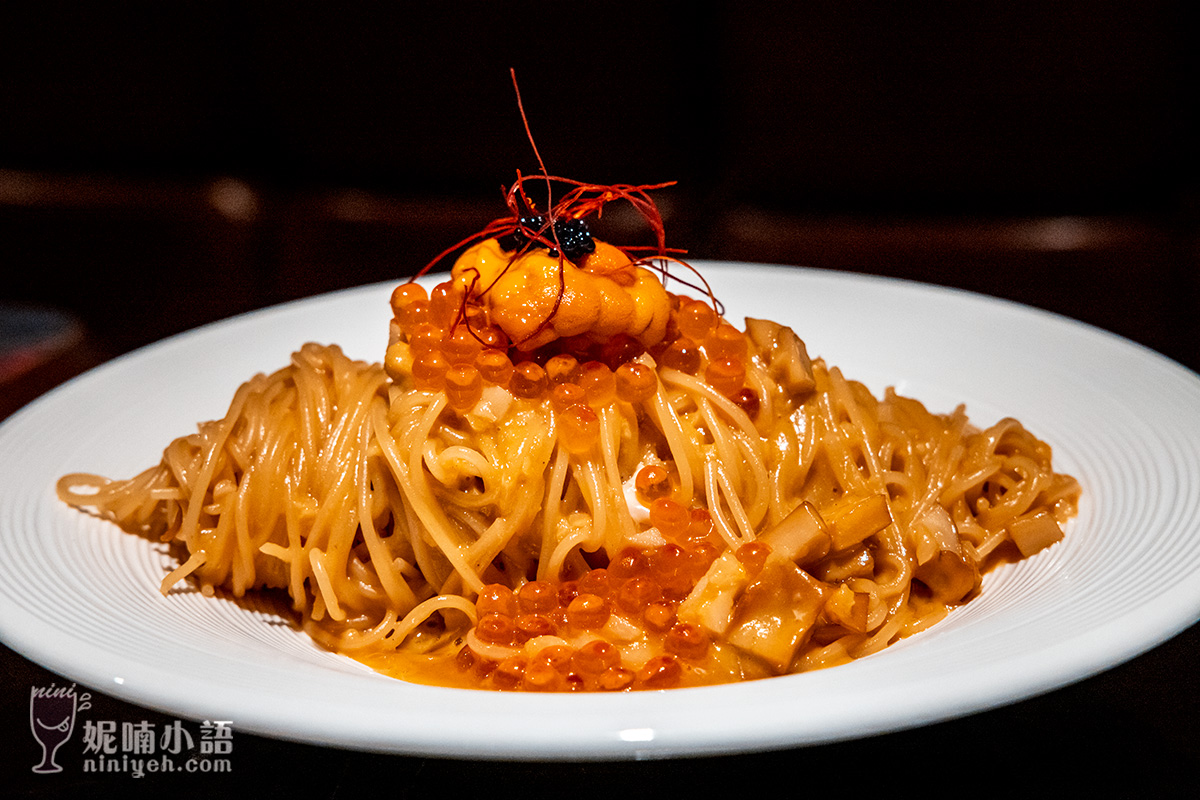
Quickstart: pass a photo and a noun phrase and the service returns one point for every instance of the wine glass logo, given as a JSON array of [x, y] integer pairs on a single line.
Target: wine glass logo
[[52, 720]]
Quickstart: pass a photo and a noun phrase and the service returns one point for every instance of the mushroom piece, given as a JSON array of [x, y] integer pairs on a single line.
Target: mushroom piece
[[776, 612], [711, 603], [848, 608], [946, 570], [801, 536], [1032, 533], [855, 518], [785, 355]]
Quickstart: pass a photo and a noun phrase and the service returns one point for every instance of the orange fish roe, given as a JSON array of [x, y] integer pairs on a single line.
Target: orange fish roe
[[456, 345], [726, 375], [426, 338], [614, 627], [671, 518], [463, 386], [565, 395], [598, 383], [444, 302], [635, 382], [413, 314], [562, 369], [580, 427], [515, 496], [752, 556], [725, 341], [652, 482], [528, 380], [682, 354], [406, 293], [495, 366], [747, 400], [695, 319], [429, 371], [460, 346], [592, 632]]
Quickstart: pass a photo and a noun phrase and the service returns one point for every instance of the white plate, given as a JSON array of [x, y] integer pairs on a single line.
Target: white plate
[[81, 598]]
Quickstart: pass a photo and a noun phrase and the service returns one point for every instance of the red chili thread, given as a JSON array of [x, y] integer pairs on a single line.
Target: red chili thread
[[579, 201]]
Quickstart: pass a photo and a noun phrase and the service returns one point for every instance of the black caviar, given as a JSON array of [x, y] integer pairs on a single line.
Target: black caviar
[[571, 234]]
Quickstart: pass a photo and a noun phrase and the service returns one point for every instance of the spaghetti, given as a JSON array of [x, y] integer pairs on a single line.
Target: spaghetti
[[564, 476], [536, 492]]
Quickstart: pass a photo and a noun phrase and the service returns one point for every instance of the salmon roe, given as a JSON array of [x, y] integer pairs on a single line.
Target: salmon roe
[[682, 354], [495, 367], [581, 651], [595, 582], [460, 346], [753, 555], [496, 599], [413, 314], [660, 672], [425, 338], [747, 400], [580, 427], [588, 612], [429, 371], [598, 382], [635, 382], [726, 375], [670, 517], [595, 657], [576, 634], [537, 597], [565, 395], [725, 341], [528, 381], [652, 482], [406, 293], [456, 348], [445, 303], [562, 368], [687, 641], [463, 386]]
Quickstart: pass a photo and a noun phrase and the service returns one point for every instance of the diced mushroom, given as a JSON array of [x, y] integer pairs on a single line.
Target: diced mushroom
[[942, 565], [950, 576], [853, 518], [842, 565], [776, 612], [710, 603], [800, 536], [785, 355], [1035, 532], [848, 608], [494, 403], [937, 531]]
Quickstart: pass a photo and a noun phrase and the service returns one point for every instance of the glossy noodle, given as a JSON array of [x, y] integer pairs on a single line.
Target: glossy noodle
[[563, 476]]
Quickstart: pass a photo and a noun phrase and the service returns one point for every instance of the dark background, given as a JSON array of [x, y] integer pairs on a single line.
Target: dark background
[[163, 165]]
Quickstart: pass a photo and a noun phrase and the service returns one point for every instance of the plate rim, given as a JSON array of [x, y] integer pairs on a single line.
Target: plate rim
[[1072, 667]]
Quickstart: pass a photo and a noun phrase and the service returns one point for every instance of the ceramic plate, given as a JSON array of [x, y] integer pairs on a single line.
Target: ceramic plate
[[81, 597]]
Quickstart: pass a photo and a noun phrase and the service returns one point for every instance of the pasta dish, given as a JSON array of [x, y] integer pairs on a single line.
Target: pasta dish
[[569, 472]]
